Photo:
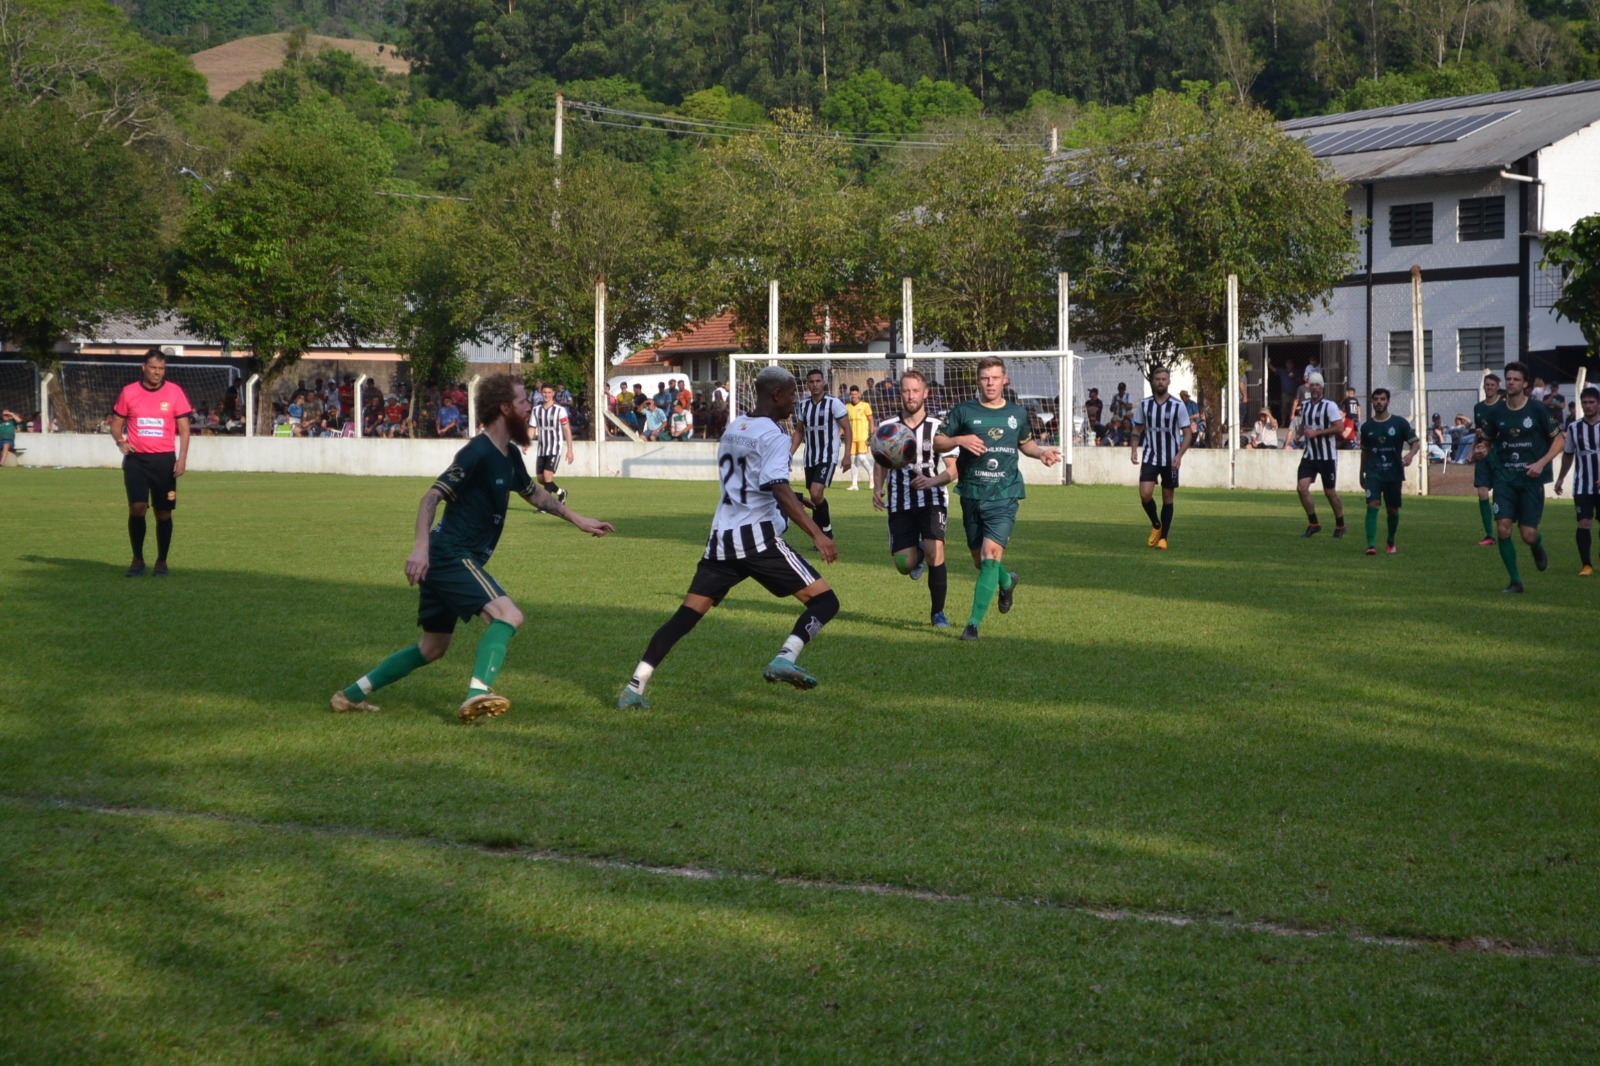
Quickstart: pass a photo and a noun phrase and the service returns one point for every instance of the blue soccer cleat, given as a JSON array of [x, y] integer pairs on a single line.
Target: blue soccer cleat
[[939, 621], [781, 669], [632, 701]]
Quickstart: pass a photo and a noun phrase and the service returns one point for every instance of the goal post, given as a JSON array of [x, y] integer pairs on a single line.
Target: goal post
[[1037, 381]]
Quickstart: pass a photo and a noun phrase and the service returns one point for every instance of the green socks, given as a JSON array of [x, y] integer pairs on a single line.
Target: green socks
[[491, 654], [990, 575], [387, 672], [1372, 527], [1486, 512], [1508, 555]]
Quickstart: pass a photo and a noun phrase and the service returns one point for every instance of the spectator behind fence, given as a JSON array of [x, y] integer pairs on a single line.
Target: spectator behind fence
[[8, 434], [653, 419], [681, 425], [394, 416], [1461, 438], [1116, 433], [719, 411], [449, 421], [1436, 439], [1264, 434], [1094, 410]]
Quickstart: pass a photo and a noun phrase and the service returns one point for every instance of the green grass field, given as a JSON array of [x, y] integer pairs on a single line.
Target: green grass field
[[1253, 799]]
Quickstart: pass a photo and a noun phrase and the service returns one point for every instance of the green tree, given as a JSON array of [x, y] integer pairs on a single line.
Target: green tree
[[1197, 190], [783, 206], [972, 226], [79, 224], [1577, 253], [541, 245], [287, 254]]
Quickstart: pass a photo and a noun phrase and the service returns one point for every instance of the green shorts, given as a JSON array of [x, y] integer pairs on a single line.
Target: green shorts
[[1521, 501], [988, 520], [1387, 492], [455, 588]]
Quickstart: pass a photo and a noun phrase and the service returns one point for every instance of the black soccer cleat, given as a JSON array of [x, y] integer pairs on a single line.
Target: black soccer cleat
[[1006, 594], [1515, 586], [1340, 531], [160, 570], [1311, 531], [1541, 558], [137, 569], [970, 633]]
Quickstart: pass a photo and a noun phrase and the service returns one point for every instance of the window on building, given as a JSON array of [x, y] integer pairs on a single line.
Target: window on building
[[1411, 224], [1400, 348], [1482, 218], [1482, 349]]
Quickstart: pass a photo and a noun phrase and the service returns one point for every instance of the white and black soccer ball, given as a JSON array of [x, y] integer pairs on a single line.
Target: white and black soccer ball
[[893, 445]]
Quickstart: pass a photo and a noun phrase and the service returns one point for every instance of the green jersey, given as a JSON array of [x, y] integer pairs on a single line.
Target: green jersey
[[477, 488], [1383, 447], [1482, 411], [1521, 437], [1003, 430], [8, 430]]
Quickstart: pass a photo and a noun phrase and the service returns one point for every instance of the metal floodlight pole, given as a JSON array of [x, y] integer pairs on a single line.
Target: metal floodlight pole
[[250, 404], [355, 402], [472, 402], [1231, 408], [1066, 401], [599, 409], [1419, 380], [772, 320], [908, 333]]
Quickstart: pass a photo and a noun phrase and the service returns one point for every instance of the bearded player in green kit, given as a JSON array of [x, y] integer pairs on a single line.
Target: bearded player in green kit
[[990, 433], [1388, 444]]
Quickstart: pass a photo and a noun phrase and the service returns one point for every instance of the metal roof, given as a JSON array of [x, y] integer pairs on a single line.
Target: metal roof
[[1457, 135]]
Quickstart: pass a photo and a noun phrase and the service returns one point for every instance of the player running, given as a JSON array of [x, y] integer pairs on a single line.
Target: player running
[[148, 415], [991, 432], [448, 559], [1583, 451], [915, 496], [1383, 467], [747, 540], [1525, 438], [1319, 424], [1483, 470], [1161, 426], [823, 425], [554, 425]]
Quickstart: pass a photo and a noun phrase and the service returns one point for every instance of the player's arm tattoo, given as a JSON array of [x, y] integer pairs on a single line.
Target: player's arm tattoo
[[542, 500]]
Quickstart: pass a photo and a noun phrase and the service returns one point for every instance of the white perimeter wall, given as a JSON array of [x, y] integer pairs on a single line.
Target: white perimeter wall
[[425, 459]]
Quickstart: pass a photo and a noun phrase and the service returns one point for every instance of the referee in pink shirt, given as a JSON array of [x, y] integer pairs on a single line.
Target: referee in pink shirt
[[150, 414]]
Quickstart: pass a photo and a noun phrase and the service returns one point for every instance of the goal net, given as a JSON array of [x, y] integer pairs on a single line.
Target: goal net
[[1037, 380], [89, 390], [19, 387]]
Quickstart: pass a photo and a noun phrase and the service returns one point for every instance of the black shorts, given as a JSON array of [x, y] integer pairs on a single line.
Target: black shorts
[[1387, 492], [780, 570], [547, 462], [1483, 474], [821, 474], [1586, 505], [149, 478], [906, 528], [454, 589], [1167, 475], [1326, 469]]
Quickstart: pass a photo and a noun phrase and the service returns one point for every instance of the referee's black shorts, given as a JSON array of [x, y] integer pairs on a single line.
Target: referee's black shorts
[[780, 570], [150, 478]]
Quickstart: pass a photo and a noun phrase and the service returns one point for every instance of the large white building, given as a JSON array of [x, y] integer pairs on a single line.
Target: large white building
[[1465, 189]]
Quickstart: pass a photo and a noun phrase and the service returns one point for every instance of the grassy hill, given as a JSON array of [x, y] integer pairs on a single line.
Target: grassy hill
[[228, 66]]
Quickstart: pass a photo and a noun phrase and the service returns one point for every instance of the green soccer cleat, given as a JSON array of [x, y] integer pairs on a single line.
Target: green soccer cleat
[[632, 701], [483, 705], [781, 669]]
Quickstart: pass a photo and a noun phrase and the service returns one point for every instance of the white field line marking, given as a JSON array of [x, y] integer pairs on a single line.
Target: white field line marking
[[1483, 945]]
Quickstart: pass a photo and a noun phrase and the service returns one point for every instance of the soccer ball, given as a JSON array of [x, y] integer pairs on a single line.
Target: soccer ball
[[893, 445]]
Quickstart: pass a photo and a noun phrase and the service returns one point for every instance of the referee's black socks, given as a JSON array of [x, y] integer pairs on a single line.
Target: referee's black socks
[[136, 531]]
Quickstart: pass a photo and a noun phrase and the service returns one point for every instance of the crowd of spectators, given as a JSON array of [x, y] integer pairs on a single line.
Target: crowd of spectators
[[672, 412]]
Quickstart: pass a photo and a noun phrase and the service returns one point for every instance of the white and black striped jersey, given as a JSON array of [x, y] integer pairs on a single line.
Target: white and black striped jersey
[[819, 420], [752, 458], [548, 421], [898, 494], [1583, 444], [1321, 414], [1164, 422]]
